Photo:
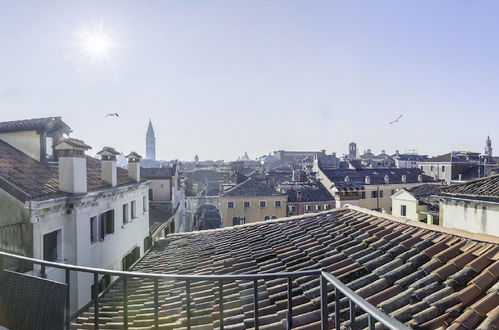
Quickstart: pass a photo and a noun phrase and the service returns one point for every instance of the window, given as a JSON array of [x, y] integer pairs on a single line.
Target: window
[[403, 210], [277, 203], [431, 168], [52, 246], [263, 204], [238, 221], [94, 230], [133, 207], [151, 195], [393, 191], [273, 217], [307, 208], [443, 168], [362, 195], [144, 204], [130, 258], [125, 213], [230, 205], [106, 220], [374, 194], [327, 206], [247, 204], [381, 193], [266, 218], [49, 150], [291, 208], [317, 207]]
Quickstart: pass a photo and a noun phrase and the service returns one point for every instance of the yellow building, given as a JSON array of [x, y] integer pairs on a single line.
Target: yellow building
[[251, 201], [370, 188], [416, 204]]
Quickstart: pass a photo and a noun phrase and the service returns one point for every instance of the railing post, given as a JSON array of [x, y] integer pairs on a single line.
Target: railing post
[[337, 297], [43, 273], [188, 295], [290, 303], [125, 302], [324, 316], [371, 322], [255, 303], [68, 297], [96, 301], [156, 304], [352, 314], [221, 303]]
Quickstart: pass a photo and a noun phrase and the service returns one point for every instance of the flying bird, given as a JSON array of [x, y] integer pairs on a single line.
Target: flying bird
[[112, 115], [396, 120]]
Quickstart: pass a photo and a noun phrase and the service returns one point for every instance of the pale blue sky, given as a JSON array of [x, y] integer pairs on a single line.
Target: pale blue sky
[[221, 77]]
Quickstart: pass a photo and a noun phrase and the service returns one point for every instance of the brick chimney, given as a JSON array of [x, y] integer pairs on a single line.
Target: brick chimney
[[72, 165], [108, 171], [134, 166]]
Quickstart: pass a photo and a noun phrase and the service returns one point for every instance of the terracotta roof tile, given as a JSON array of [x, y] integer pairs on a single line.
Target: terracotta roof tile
[[388, 273]]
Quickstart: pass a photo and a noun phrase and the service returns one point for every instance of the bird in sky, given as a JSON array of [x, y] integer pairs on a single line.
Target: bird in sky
[[112, 115], [396, 120]]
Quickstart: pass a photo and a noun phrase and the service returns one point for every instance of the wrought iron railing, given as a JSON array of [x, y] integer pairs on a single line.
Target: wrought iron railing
[[355, 302]]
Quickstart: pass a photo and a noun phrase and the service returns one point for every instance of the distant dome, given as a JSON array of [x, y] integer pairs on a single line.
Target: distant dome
[[245, 157], [268, 159]]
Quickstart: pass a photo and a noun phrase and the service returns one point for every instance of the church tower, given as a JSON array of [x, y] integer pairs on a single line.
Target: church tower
[[488, 147], [150, 143]]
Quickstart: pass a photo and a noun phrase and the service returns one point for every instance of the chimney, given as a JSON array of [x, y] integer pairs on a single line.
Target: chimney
[[420, 178], [72, 165], [298, 196], [404, 178], [108, 170], [367, 179], [134, 166], [387, 179]]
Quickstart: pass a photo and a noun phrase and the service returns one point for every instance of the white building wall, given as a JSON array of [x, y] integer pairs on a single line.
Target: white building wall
[[479, 217], [77, 247]]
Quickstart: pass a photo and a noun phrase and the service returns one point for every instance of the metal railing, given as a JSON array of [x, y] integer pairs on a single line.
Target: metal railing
[[354, 300]]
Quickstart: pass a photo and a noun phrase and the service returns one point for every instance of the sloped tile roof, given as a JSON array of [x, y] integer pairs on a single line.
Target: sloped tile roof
[[32, 124], [376, 175], [29, 179], [310, 192], [487, 188], [251, 187], [424, 190], [157, 172], [424, 276]]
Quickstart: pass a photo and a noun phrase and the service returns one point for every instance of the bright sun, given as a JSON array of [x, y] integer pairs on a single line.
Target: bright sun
[[97, 43]]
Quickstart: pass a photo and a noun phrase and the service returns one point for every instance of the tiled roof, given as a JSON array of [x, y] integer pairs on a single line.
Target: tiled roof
[[33, 124], [157, 172], [377, 176], [411, 157], [484, 188], [424, 190], [251, 187], [309, 192], [159, 213], [27, 178], [76, 143], [449, 157], [424, 276]]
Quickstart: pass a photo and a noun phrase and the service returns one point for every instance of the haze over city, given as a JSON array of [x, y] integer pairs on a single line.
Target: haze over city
[[219, 78]]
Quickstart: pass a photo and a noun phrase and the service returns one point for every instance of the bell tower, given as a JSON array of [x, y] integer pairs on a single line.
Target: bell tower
[[488, 147], [150, 142]]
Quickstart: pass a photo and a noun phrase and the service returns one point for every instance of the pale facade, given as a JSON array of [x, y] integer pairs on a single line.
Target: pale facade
[[475, 216], [405, 205], [240, 210]]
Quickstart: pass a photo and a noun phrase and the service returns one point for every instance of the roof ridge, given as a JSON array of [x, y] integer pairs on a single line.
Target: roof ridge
[[435, 228]]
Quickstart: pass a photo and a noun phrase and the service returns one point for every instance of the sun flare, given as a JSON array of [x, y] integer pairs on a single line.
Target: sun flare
[[97, 43]]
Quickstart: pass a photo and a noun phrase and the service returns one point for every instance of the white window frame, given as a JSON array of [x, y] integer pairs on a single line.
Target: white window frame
[[249, 204], [229, 203], [133, 210], [97, 227], [260, 204], [278, 201], [145, 203], [125, 214]]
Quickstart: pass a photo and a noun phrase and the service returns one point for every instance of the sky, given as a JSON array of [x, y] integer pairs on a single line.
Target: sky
[[218, 78]]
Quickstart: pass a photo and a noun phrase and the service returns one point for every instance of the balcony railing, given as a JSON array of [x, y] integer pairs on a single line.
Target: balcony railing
[[356, 304]]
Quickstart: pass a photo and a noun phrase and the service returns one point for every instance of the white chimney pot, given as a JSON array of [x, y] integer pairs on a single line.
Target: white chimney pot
[[72, 165]]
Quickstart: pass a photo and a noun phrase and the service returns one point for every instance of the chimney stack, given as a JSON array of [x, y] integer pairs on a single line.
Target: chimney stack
[[108, 172], [420, 178], [387, 179], [134, 166], [72, 165], [404, 178]]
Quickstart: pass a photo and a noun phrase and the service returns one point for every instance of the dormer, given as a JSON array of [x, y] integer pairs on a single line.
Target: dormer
[[35, 137]]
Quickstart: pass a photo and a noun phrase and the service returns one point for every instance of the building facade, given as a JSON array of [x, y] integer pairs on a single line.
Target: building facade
[[417, 204], [251, 201], [472, 206], [78, 210]]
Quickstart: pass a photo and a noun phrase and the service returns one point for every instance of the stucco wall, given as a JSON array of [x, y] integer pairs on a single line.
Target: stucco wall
[[26, 141], [77, 247], [15, 228], [254, 213], [404, 198], [162, 191], [480, 217]]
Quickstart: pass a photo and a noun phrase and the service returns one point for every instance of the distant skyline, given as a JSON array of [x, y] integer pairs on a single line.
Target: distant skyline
[[218, 78]]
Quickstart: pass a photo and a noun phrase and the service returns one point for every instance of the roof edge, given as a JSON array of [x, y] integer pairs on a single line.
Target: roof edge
[[485, 238]]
